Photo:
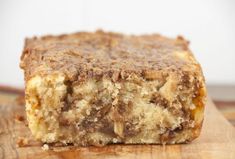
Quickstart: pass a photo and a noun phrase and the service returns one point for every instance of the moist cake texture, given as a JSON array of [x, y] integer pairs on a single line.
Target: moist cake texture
[[97, 88]]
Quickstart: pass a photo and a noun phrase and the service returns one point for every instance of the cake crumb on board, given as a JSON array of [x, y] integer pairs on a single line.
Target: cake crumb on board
[[45, 147]]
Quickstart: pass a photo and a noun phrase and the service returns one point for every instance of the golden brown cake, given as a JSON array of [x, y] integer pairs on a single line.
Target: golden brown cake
[[100, 88]]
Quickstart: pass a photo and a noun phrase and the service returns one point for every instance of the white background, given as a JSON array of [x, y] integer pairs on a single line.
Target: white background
[[208, 24]]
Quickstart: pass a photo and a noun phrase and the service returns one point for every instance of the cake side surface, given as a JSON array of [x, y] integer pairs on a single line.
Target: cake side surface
[[100, 88]]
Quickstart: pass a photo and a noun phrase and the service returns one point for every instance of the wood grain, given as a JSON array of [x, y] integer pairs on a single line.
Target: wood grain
[[227, 108], [217, 140]]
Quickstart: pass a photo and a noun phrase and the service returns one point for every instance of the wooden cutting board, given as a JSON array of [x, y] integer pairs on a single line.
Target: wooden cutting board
[[217, 141]]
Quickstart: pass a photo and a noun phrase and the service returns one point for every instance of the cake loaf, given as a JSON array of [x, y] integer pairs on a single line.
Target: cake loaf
[[98, 88]]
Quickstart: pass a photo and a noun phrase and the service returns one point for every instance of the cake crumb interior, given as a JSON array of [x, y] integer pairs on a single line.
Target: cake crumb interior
[[99, 112]]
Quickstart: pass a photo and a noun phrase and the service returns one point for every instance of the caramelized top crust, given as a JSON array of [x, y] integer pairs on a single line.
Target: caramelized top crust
[[104, 54]]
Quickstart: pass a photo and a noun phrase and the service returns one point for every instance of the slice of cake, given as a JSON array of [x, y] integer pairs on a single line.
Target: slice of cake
[[100, 88]]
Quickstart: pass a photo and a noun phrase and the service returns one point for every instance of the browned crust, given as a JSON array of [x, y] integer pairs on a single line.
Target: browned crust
[[104, 54]]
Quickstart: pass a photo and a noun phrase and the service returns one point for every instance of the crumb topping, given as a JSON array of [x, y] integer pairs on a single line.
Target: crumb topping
[[105, 54]]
